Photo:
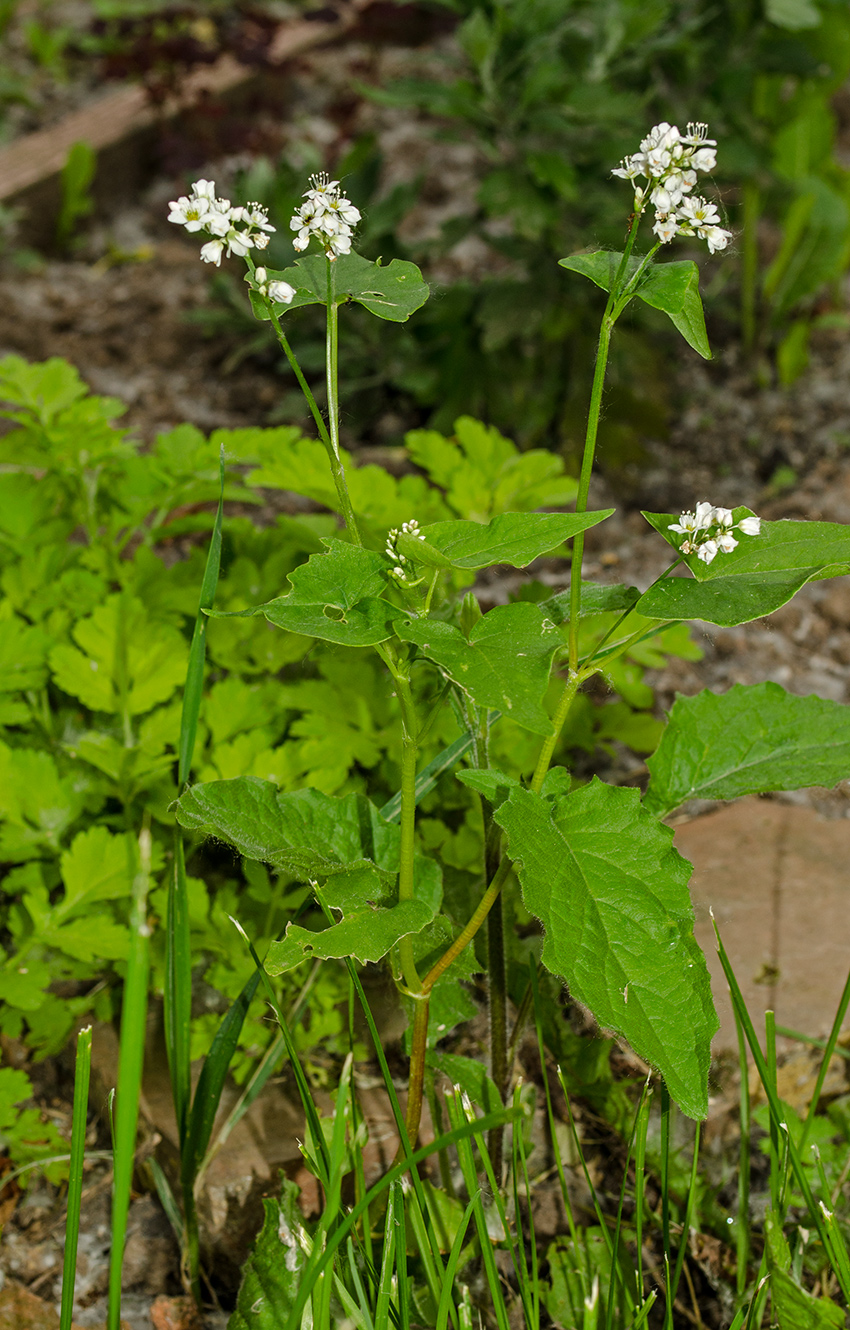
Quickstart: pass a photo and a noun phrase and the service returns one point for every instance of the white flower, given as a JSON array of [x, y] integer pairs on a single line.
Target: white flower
[[326, 214], [697, 135], [715, 237], [281, 292], [239, 242], [707, 550], [666, 227], [723, 516], [663, 200], [189, 212], [698, 212], [726, 542], [204, 189], [630, 167], [686, 525], [260, 276], [212, 251], [704, 515], [704, 159], [751, 526]]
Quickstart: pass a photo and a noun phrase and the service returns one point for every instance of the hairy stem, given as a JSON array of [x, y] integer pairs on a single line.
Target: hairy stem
[[465, 936], [416, 1081], [561, 713]]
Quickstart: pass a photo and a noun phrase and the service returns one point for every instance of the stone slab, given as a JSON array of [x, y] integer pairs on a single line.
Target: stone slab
[[777, 877]]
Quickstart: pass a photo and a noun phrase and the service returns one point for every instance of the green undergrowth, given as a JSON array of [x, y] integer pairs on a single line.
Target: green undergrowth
[[101, 557]]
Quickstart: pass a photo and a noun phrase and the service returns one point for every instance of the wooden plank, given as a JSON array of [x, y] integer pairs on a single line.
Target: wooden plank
[[36, 157]]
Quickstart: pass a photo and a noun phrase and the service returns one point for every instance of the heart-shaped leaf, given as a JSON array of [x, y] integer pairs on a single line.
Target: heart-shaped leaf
[[747, 741], [756, 578], [505, 663], [393, 292], [602, 876], [335, 596], [511, 538], [370, 925]]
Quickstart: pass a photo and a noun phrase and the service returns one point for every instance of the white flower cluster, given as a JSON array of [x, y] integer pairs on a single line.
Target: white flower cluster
[[204, 212], [326, 214], [410, 528], [708, 531], [280, 292], [670, 161]]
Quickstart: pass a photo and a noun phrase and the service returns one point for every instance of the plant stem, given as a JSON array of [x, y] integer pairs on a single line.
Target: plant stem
[[609, 318], [561, 713], [497, 993], [475, 921], [75, 1174], [337, 469], [407, 820], [332, 371]]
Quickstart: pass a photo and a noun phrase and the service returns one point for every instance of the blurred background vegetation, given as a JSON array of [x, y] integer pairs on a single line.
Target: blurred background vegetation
[[546, 96]]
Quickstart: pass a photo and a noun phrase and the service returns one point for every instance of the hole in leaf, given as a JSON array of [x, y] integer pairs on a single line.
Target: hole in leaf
[[334, 612]]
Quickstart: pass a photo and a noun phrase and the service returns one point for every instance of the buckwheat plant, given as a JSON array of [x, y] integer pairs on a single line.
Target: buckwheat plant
[[595, 862]]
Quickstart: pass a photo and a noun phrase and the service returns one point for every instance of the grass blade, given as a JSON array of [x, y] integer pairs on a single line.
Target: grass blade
[[774, 1104], [212, 1078], [177, 1004], [742, 1235], [451, 1267], [385, 1282], [825, 1061], [197, 653], [75, 1174], [131, 1058], [398, 1170]]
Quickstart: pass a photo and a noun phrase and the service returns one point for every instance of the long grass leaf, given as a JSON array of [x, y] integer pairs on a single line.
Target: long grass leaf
[[304, 1093], [773, 1100], [689, 1209], [211, 1081], [385, 1281], [193, 688], [458, 1113], [742, 1235], [177, 993], [79, 1122], [829, 1049], [429, 775], [166, 1198], [451, 1138], [130, 1061], [451, 1267]]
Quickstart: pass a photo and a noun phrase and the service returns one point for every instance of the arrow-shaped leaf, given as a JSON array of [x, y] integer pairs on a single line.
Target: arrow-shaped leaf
[[511, 538], [756, 578], [393, 292]]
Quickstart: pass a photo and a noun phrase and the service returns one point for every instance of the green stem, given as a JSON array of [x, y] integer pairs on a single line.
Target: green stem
[[561, 713], [334, 458], [466, 935], [613, 308], [497, 995], [407, 821], [332, 372]]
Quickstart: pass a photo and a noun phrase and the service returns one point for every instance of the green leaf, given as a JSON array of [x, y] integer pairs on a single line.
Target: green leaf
[[37, 805], [747, 741], [304, 832], [271, 1277], [505, 663], [470, 1075], [23, 655], [602, 876], [392, 293], [793, 15], [670, 287], [595, 599], [367, 931], [97, 866], [120, 649], [335, 596], [494, 785], [511, 538], [759, 576], [795, 1309]]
